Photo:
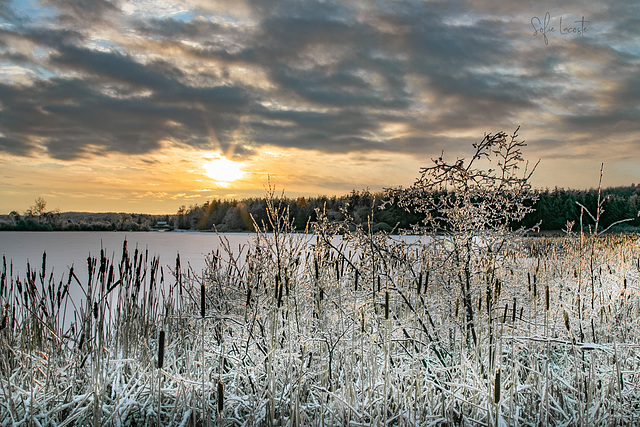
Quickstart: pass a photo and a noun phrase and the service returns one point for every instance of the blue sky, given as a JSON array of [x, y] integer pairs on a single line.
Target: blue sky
[[121, 104]]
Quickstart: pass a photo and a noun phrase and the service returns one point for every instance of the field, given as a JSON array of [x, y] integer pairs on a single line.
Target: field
[[348, 328]]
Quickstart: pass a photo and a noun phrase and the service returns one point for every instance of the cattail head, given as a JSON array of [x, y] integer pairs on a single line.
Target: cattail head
[[202, 300], [546, 297], [386, 305], [5, 313], [81, 342], [566, 320], [496, 387], [161, 349], [248, 296], [220, 396], [426, 282]]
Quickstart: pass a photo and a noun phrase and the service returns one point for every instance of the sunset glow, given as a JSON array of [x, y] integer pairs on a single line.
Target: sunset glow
[[223, 170], [146, 106]]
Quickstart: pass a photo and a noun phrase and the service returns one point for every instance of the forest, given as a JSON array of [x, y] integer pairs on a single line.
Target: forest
[[553, 210]]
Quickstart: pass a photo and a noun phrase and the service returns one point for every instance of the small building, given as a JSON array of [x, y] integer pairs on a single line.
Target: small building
[[161, 226]]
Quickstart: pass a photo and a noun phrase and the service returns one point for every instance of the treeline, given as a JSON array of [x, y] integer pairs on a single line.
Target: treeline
[[554, 209], [232, 215], [558, 207], [80, 221]]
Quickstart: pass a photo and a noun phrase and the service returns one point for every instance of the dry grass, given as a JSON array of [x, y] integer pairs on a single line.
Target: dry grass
[[299, 330]]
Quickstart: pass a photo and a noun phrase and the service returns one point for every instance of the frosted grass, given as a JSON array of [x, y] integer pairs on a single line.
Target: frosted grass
[[368, 330]]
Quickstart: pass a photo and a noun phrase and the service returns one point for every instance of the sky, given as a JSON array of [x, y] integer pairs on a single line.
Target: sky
[[148, 105]]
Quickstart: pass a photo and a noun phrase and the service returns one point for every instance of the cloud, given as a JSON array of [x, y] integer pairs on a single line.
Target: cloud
[[84, 12], [337, 77]]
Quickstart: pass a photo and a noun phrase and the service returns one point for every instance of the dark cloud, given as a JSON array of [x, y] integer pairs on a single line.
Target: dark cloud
[[316, 75], [117, 67], [16, 146], [75, 120]]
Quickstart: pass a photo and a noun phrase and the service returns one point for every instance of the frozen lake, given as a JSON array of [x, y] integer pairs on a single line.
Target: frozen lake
[[65, 249]]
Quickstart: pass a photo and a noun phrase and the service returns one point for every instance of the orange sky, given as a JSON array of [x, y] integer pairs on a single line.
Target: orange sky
[[121, 106]]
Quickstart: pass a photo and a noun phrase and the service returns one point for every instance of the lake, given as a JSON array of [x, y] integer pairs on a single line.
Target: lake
[[65, 248]]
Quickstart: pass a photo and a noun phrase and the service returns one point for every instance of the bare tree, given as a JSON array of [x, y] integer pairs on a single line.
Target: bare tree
[[473, 203]]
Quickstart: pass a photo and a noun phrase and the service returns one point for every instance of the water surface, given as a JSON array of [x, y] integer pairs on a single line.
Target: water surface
[[67, 248]]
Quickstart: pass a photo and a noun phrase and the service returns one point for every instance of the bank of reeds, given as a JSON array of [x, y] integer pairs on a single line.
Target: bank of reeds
[[337, 327]]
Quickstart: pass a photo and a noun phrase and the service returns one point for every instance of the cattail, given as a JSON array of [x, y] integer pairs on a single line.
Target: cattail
[[362, 319], [426, 281], [546, 297], [496, 387], [386, 305], [220, 396], [506, 309], [179, 273], [457, 306], [5, 312], [248, 296], [44, 264], [356, 279], [95, 310], [202, 300], [3, 278], [513, 316], [419, 283], [566, 320], [161, 350]]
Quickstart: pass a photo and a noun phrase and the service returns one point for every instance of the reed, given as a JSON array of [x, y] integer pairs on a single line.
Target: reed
[[322, 349]]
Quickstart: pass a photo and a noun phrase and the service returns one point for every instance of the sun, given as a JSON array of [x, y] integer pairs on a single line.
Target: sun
[[223, 170]]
